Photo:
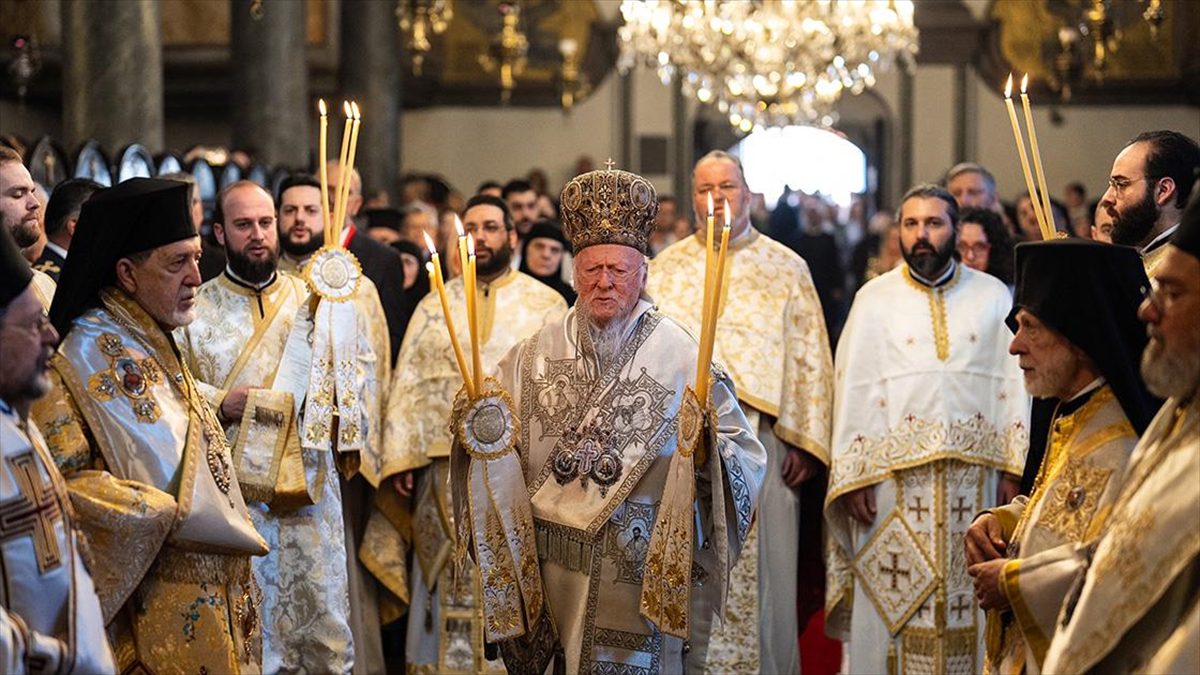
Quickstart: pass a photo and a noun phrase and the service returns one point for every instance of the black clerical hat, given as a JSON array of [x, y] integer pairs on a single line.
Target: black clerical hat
[[15, 275], [137, 215], [1187, 237], [1090, 292], [392, 219]]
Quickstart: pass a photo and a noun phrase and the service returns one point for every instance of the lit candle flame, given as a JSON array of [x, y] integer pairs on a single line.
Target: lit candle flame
[[1008, 87], [429, 243], [346, 108], [1024, 82], [354, 109], [470, 246], [321, 106], [710, 204], [459, 226], [726, 210]]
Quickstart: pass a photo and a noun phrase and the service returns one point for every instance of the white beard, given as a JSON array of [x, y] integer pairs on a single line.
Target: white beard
[[608, 340]]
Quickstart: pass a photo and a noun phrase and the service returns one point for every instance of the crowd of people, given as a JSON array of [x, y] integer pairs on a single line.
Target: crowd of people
[[263, 441]]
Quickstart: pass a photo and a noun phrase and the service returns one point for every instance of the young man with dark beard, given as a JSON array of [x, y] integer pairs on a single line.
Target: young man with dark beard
[[929, 428], [235, 347], [444, 632], [1150, 182], [301, 234], [19, 208]]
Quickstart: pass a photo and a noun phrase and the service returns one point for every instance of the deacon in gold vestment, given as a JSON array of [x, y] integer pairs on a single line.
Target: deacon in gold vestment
[[604, 505], [236, 347], [147, 464], [929, 413], [50, 619], [1137, 608], [445, 631], [1079, 341], [773, 343]]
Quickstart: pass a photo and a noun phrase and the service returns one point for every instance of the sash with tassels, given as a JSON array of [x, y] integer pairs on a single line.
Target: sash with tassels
[[666, 586], [334, 275], [492, 512]]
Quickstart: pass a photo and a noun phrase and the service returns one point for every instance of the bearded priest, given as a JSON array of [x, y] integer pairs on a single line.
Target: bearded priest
[[929, 428], [253, 372], [149, 470], [580, 471]]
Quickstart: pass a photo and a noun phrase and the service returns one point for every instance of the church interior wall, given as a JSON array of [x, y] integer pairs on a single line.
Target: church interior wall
[[471, 144]]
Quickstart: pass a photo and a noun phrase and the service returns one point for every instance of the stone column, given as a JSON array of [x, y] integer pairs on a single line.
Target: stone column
[[112, 73], [370, 73], [271, 113]]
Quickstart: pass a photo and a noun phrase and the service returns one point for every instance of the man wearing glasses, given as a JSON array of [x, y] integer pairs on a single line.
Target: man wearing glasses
[[1138, 609], [444, 627], [1150, 182]]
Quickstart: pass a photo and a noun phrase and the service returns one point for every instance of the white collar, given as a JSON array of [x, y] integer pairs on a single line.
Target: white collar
[[62, 252], [1160, 239]]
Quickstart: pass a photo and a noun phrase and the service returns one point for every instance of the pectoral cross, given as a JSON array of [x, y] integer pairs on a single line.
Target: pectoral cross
[[959, 510], [895, 571], [919, 510], [586, 455], [960, 605], [32, 512]]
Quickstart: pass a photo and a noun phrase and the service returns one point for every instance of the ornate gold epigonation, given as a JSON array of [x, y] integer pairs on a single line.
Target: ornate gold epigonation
[[485, 425]]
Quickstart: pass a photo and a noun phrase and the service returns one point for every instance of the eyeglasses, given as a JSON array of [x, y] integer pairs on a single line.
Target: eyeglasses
[[1161, 298], [1119, 184], [617, 274], [976, 250]]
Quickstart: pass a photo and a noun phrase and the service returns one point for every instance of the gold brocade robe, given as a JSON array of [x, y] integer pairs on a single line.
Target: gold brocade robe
[[771, 338], [929, 409], [238, 339], [152, 483], [1137, 608], [771, 335], [1072, 498], [444, 630]]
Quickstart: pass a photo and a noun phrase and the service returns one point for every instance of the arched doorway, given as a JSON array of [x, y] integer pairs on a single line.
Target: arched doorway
[[804, 159]]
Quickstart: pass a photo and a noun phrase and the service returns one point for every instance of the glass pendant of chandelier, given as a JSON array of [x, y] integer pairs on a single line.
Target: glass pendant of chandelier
[[769, 62]]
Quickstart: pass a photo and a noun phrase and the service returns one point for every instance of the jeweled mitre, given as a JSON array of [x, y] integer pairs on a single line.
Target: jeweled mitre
[[609, 206]]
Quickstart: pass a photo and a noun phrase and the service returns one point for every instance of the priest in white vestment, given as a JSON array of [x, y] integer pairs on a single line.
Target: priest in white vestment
[[774, 345], [1137, 608], [445, 627], [597, 530], [930, 413], [50, 618], [238, 348], [372, 602], [1079, 342]]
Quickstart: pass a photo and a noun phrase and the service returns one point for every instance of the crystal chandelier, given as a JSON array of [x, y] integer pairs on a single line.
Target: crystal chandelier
[[769, 62]]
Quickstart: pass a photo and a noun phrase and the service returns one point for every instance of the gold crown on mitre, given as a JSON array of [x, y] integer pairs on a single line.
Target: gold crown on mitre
[[609, 206]]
